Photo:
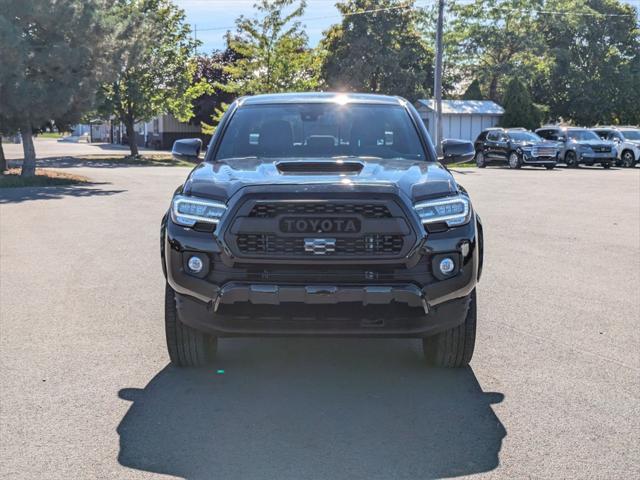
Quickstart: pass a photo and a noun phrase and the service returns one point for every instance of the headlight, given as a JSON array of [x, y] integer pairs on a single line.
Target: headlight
[[188, 211], [584, 148], [454, 211]]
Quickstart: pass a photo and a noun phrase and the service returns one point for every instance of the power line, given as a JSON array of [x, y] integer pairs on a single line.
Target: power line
[[404, 6], [409, 5]]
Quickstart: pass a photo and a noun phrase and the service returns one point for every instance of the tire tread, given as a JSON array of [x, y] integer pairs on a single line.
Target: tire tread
[[453, 348], [187, 347]]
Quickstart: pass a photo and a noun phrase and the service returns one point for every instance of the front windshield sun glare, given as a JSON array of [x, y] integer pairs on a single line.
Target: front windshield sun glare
[[322, 130]]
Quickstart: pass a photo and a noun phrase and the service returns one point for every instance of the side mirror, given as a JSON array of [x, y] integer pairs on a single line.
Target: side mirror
[[457, 151], [187, 149]]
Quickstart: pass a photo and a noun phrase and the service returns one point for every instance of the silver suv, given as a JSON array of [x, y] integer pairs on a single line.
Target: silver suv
[[627, 141], [580, 146]]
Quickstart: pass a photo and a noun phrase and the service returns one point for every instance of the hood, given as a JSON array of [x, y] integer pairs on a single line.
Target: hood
[[416, 179], [544, 143], [594, 143]]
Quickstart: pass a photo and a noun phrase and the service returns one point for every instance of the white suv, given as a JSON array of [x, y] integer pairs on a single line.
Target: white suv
[[627, 140]]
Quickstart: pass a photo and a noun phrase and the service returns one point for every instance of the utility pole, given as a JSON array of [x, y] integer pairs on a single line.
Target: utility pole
[[195, 38], [437, 81]]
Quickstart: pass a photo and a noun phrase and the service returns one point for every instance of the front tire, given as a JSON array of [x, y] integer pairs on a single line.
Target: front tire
[[187, 347], [628, 159], [571, 160], [549, 167], [480, 161], [453, 348], [514, 160]]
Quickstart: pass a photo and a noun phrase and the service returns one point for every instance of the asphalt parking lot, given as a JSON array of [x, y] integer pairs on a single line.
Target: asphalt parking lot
[[552, 392]]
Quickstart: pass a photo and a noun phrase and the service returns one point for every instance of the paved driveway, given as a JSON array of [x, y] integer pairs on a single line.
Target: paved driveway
[[552, 391], [50, 147]]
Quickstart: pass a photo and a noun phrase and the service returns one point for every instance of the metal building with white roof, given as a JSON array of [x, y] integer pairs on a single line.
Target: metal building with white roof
[[463, 119]]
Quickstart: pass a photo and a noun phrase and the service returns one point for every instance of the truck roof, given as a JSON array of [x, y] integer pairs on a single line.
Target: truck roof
[[320, 97]]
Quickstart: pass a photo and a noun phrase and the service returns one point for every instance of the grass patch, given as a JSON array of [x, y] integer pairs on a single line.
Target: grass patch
[[464, 165], [154, 160], [43, 178], [50, 135]]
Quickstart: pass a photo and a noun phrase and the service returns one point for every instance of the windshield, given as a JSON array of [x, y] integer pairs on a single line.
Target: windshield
[[321, 130], [524, 137], [631, 134], [582, 135]]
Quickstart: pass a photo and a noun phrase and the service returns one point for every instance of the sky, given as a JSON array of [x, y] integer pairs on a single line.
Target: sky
[[221, 15], [212, 18]]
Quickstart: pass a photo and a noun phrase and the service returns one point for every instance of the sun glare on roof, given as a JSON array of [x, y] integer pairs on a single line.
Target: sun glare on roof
[[341, 99]]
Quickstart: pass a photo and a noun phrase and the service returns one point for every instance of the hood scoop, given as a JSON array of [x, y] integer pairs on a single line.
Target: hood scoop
[[304, 167]]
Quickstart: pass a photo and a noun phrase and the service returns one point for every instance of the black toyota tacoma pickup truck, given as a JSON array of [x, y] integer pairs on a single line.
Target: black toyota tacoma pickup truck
[[321, 214]]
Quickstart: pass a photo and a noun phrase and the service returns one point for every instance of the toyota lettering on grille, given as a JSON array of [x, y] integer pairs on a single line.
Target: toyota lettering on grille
[[320, 225]]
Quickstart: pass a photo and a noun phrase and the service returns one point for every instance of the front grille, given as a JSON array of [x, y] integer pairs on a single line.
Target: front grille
[[270, 210], [543, 152], [602, 149], [261, 244]]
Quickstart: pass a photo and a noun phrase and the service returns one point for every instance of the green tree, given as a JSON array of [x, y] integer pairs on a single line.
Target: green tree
[[272, 51], [381, 52], [53, 55], [472, 92], [156, 69], [594, 53], [519, 110], [211, 69], [495, 40]]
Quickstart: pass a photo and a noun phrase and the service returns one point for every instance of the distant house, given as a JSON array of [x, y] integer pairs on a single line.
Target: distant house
[[159, 133], [463, 119], [162, 131]]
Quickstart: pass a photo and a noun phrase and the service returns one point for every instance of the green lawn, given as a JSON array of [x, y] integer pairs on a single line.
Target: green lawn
[[43, 178], [148, 159], [50, 135], [462, 165], [152, 159]]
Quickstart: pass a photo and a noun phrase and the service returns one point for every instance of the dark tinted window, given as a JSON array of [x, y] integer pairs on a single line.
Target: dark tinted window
[[321, 130], [582, 135], [548, 134], [494, 135], [603, 134]]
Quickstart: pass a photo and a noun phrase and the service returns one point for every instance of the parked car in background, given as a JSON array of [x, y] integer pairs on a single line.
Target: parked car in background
[[627, 141], [580, 146], [515, 147]]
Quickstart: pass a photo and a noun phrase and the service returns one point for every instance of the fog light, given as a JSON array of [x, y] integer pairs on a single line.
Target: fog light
[[447, 265], [195, 264]]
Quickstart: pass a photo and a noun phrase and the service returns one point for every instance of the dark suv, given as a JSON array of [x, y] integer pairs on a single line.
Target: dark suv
[[515, 147], [321, 214], [580, 146]]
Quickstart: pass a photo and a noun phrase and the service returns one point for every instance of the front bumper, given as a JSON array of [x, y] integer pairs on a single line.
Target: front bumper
[[596, 157], [538, 161], [261, 320], [235, 298]]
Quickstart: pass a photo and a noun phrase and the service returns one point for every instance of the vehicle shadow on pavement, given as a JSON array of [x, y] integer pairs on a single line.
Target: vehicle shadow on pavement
[[312, 408], [22, 194]]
